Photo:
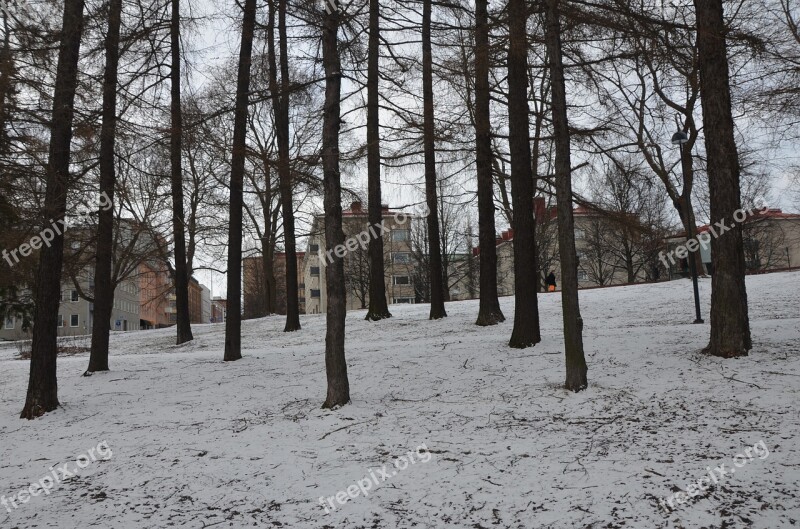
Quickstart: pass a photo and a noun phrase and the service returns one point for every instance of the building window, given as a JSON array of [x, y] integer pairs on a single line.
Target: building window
[[73, 320], [9, 322], [579, 234], [582, 275], [315, 293], [402, 280], [314, 271], [397, 301], [401, 257], [401, 235], [75, 296], [313, 248]]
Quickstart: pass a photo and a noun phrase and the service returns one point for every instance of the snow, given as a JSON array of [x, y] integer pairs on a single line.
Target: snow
[[198, 443]]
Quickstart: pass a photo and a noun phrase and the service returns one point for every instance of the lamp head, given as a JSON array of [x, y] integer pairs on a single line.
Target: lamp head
[[679, 138]]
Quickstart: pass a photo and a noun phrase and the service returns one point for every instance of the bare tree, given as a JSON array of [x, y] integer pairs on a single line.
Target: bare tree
[[233, 325], [42, 394], [184, 327], [526, 331], [103, 289], [730, 324], [429, 140], [335, 362], [378, 308], [280, 106], [573, 322], [489, 312]]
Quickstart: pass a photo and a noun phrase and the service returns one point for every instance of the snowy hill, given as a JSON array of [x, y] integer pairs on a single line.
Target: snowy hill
[[195, 442]]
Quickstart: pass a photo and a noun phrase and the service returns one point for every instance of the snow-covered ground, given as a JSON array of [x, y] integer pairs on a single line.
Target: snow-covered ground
[[195, 442]]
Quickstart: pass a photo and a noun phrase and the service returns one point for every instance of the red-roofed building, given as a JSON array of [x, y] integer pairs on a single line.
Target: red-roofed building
[[771, 242]]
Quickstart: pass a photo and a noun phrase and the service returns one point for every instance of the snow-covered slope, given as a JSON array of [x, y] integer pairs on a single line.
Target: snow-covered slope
[[199, 443]]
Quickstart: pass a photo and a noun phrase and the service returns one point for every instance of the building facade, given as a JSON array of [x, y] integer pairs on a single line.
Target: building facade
[[256, 287], [399, 264], [76, 313]]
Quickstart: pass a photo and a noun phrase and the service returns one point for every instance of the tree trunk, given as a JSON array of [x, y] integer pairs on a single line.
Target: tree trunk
[[335, 362], [431, 198], [526, 309], [184, 326], [281, 109], [267, 260], [103, 285], [573, 323], [684, 205], [233, 325], [730, 325], [42, 394], [489, 312], [378, 307]]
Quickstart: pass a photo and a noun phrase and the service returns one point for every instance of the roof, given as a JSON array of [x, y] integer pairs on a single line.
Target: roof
[[769, 214]]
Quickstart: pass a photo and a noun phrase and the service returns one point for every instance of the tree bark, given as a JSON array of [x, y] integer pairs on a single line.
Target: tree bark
[[103, 285], [489, 312], [42, 395], [280, 108], [378, 307], [233, 325], [335, 362], [431, 198], [730, 324], [526, 308], [183, 326], [573, 322]]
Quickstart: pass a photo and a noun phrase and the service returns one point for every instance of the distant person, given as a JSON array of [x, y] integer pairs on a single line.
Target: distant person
[[550, 281]]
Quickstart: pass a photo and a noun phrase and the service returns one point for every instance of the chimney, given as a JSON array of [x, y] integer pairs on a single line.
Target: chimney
[[355, 207], [539, 210], [508, 234]]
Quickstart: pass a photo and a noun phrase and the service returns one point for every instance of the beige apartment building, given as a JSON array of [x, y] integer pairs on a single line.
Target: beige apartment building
[[399, 264]]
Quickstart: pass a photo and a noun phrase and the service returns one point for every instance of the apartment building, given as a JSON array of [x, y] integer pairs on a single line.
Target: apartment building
[[76, 314], [256, 287], [399, 264]]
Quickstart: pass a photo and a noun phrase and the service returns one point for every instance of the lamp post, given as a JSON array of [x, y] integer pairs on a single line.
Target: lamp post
[[679, 139]]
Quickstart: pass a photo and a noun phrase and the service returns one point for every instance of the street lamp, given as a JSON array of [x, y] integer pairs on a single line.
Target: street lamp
[[679, 139]]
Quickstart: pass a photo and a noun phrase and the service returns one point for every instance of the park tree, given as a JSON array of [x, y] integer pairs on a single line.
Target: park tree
[[233, 325]]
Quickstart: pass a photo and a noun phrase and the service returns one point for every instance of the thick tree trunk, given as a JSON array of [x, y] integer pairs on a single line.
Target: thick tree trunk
[[730, 324], [526, 310], [489, 312], [378, 307], [573, 323], [431, 198], [281, 109], [103, 285], [183, 326], [335, 362], [233, 325], [42, 394]]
